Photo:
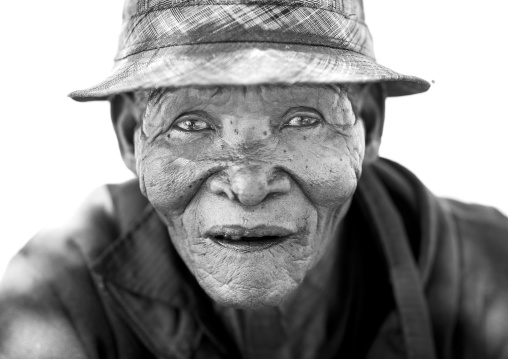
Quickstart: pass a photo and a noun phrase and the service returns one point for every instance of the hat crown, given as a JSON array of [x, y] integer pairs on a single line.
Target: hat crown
[[347, 7], [156, 24]]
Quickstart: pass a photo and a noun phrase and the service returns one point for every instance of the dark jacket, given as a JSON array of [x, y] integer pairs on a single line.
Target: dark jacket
[[110, 285]]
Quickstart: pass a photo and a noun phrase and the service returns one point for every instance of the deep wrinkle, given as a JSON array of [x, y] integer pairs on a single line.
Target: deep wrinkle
[[186, 174]]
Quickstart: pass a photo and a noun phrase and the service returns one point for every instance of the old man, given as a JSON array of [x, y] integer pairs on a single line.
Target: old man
[[261, 223]]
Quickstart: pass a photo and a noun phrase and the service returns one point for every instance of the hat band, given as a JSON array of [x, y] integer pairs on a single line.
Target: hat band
[[200, 24]]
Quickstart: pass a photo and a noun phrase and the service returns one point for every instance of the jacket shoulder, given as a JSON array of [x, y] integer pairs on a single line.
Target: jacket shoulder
[[478, 217], [482, 234], [48, 301]]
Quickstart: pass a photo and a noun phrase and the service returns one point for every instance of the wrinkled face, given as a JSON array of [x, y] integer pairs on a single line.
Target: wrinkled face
[[251, 182]]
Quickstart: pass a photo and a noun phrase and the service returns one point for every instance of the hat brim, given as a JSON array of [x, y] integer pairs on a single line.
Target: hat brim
[[217, 64]]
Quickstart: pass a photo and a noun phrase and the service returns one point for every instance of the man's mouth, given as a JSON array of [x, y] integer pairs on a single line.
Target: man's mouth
[[248, 239]]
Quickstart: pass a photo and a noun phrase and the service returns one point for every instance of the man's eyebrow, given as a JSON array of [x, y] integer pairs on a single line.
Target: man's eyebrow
[[153, 98]]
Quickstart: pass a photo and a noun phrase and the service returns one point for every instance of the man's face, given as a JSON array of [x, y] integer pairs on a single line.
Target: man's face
[[250, 181]]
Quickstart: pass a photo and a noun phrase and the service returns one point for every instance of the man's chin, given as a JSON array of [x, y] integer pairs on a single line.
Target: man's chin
[[251, 299]]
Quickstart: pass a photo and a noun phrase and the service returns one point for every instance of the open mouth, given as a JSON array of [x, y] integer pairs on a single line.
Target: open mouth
[[248, 244], [248, 240]]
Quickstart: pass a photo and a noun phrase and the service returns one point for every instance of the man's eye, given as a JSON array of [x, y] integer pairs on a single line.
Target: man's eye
[[192, 125], [302, 121]]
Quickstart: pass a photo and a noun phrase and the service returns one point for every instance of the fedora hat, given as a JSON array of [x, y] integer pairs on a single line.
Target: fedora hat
[[175, 43]]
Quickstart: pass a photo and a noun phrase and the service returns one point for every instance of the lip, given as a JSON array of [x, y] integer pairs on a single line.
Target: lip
[[245, 239]]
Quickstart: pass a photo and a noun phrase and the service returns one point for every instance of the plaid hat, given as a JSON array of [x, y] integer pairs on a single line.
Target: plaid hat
[[174, 43]]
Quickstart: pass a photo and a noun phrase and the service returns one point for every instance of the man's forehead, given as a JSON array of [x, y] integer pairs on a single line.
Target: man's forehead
[[190, 98]]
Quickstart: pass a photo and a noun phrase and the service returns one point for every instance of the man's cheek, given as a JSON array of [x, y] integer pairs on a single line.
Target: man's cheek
[[356, 147], [330, 171], [169, 182], [168, 174]]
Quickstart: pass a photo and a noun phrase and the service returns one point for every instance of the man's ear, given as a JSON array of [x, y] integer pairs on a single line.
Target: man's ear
[[371, 109], [126, 116]]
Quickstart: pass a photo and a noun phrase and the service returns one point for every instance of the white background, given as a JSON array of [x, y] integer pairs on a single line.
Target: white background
[[55, 151]]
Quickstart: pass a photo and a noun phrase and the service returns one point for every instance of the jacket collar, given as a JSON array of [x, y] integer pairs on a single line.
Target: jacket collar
[[149, 283], [434, 245], [143, 261]]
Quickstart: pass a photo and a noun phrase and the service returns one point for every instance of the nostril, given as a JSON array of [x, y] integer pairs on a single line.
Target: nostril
[[280, 184], [221, 187]]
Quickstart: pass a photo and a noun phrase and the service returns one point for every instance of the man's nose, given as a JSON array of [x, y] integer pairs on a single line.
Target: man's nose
[[250, 185]]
